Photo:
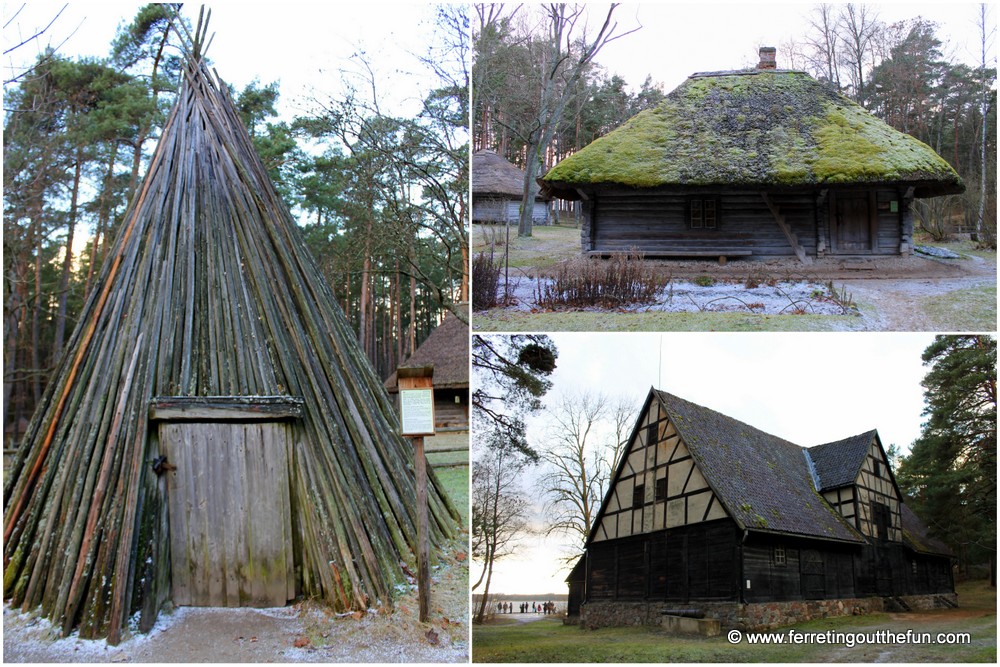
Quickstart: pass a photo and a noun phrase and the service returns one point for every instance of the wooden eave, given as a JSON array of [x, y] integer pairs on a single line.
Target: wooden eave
[[225, 408]]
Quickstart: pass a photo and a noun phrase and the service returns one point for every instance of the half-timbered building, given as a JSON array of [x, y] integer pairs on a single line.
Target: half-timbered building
[[751, 163], [705, 512]]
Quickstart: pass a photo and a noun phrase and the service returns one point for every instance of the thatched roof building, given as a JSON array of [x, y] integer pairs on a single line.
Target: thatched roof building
[[497, 190], [447, 350], [752, 162], [213, 434]]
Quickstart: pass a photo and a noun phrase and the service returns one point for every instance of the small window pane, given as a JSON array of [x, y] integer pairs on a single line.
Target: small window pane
[[709, 207], [779, 555], [696, 214], [661, 489], [638, 496]]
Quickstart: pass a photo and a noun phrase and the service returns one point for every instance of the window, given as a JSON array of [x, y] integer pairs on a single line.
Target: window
[[638, 495], [661, 489], [913, 566], [882, 517], [703, 213], [779, 556], [878, 468]]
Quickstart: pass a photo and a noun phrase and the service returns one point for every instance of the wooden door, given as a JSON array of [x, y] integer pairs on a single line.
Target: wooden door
[[230, 512], [813, 572], [852, 225]]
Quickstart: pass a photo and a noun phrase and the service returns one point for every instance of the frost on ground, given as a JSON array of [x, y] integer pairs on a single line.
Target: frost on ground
[[302, 632], [684, 296]]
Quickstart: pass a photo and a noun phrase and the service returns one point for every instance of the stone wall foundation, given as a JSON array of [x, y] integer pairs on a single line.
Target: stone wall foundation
[[757, 615]]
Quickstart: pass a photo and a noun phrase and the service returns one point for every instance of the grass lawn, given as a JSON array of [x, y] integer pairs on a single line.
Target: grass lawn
[[973, 309], [548, 640], [456, 485], [548, 245]]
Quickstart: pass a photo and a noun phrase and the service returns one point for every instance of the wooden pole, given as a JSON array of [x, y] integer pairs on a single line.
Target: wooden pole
[[416, 406], [423, 543]]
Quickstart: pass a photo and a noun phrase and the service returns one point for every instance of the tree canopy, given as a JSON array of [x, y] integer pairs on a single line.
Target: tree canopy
[[951, 472]]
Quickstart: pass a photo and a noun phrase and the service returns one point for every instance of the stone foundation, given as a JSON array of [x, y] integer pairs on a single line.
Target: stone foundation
[[680, 625], [754, 616], [921, 602]]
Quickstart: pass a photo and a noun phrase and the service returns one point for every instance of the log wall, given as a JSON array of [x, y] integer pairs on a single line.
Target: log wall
[[656, 222]]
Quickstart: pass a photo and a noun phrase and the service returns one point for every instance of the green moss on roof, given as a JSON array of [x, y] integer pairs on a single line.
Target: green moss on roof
[[754, 128]]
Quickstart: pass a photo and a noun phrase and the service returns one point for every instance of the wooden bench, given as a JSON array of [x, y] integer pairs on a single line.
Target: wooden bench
[[674, 253]]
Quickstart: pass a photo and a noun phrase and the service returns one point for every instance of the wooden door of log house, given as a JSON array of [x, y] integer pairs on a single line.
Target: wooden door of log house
[[852, 226], [229, 506]]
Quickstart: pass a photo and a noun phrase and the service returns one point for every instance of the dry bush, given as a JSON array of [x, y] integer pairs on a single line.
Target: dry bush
[[485, 281], [624, 278]]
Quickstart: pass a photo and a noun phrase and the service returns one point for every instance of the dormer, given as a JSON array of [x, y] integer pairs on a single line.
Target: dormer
[[855, 477]]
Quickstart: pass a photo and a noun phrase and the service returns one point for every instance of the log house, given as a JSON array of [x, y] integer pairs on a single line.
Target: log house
[[751, 163]]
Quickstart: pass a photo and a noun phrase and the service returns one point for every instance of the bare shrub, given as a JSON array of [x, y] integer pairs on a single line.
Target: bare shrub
[[758, 277], [485, 281], [624, 278]]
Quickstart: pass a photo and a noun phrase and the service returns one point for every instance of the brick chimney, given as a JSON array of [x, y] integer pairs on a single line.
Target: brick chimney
[[768, 58]]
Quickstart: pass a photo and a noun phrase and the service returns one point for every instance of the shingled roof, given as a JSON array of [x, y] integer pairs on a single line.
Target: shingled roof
[[762, 480], [837, 463], [772, 128], [493, 175], [447, 349], [915, 535]]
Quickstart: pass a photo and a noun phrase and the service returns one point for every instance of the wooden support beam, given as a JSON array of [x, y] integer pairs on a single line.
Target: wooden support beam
[[793, 239], [216, 408]]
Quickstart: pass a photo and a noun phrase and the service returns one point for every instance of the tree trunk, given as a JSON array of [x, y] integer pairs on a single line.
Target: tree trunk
[[67, 267], [12, 321], [103, 216], [36, 311]]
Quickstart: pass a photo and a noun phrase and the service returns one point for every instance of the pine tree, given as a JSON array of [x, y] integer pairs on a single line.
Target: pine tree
[[951, 473]]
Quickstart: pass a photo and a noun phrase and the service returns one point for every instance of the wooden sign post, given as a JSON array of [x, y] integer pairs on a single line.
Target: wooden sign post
[[416, 413]]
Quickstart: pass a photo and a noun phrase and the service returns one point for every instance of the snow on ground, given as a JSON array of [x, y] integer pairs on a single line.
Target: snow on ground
[[683, 296]]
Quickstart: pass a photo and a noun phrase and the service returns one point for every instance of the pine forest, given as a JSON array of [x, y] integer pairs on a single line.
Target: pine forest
[[380, 199]]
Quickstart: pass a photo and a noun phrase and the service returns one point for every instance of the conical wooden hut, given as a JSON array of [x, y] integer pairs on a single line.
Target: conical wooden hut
[[213, 434]]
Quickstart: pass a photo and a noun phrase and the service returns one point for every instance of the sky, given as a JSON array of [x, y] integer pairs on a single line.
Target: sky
[[306, 46], [808, 388], [678, 39]]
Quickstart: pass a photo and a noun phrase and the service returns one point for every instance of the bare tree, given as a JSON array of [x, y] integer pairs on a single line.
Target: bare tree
[[858, 24], [587, 434], [499, 508], [823, 42], [569, 51], [19, 73], [986, 34]]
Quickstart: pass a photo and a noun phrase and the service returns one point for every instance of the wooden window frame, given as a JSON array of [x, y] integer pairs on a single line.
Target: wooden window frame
[[779, 557], [661, 489], [698, 207], [638, 496]]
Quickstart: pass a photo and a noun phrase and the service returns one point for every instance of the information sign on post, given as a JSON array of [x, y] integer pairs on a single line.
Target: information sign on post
[[416, 415]]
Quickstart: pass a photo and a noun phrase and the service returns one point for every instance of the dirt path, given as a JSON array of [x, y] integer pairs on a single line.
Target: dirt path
[[899, 304], [302, 632]]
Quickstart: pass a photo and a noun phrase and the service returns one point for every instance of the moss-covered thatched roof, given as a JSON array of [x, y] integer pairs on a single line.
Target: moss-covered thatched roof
[[492, 175], [773, 128]]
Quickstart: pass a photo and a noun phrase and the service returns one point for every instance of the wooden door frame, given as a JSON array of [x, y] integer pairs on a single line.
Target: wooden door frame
[[872, 220], [181, 412]]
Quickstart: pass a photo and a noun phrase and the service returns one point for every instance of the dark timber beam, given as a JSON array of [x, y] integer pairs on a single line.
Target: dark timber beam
[[793, 239]]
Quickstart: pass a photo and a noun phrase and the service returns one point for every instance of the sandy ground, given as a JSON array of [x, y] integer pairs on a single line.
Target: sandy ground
[[303, 632]]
